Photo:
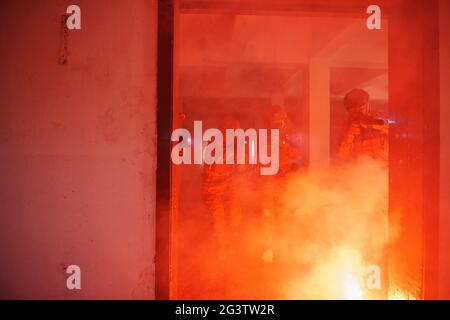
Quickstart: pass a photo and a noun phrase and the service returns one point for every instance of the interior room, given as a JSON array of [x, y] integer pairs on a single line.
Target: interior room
[[354, 112]]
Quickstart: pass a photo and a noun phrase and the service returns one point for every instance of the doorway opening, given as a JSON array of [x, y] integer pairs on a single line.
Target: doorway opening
[[324, 227]]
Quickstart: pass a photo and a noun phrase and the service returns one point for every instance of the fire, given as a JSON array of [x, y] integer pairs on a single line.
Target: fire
[[352, 289], [348, 268], [339, 278], [398, 294]]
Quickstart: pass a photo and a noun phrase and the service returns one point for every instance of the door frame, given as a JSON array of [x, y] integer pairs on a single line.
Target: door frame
[[406, 87]]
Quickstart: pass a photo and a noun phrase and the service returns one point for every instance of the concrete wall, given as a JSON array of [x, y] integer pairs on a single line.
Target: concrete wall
[[77, 149], [444, 35]]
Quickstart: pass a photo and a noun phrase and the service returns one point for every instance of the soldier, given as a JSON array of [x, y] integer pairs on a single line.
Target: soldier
[[272, 186], [367, 136], [364, 134], [221, 193]]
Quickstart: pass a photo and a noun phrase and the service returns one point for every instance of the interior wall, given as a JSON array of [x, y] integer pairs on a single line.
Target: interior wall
[[77, 149], [444, 34]]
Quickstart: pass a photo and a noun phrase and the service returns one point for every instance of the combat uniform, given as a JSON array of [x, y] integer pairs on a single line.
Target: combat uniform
[[363, 135], [221, 194], [272, 186], [363, 139], [367, 136]]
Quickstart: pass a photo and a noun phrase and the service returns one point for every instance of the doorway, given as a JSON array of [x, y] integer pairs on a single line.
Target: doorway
[[237, 60]]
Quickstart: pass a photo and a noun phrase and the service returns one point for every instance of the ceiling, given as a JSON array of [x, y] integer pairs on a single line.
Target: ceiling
[[256, 55]]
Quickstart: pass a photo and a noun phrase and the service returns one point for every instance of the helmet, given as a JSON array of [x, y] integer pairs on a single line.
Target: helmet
[[356, 98]]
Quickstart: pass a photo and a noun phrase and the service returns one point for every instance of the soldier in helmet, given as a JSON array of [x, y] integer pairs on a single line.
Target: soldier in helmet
[[364, 134], [221, 195], [272, 186]]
